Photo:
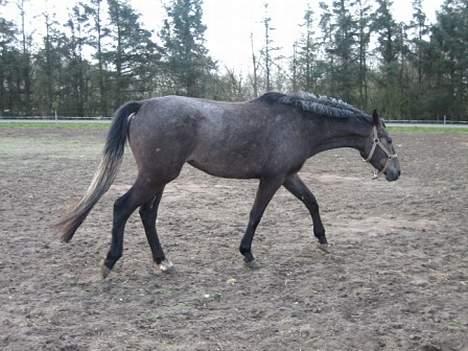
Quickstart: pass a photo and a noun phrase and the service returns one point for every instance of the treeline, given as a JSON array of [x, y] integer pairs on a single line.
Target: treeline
[[103, 56]]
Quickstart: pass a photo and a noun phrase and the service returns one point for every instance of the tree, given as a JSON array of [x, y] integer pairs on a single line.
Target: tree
[[268, 49], [10, 71], [419, 26], [97, 32], [294, 68], [305, 55], [25, 59], [133, 54], [388, 93], [15, 64], [48, 62], [255, 67], [344, 45], [187, 61], [77, 68], [449, 48], [363, 39], [326, 44], [387, 30]]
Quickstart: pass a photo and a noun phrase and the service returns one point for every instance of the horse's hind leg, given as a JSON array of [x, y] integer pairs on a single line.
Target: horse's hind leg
[[141, 192], [296, 187], [148, 214]]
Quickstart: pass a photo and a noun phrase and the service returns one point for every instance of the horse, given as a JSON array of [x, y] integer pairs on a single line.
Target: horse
[[268, 138]]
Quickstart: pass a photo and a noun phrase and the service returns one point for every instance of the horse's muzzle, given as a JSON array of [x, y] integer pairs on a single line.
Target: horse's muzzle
[[391, 176]]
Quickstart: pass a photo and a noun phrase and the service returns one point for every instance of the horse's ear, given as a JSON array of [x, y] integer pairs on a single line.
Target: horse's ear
[[375, 118]]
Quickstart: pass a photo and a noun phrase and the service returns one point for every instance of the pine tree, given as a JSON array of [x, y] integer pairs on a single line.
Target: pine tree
[[344, 46], [416, 47], [387, 32], [15, 64], [133, 54], [76, 67], [10, 71], [268, 50], [97, 32], [305, 55], [254, 67], [363, 39], [419, 26], [26, 71], [387, 93], [328, 86], [188, 63], [449, 46], [48, 67]]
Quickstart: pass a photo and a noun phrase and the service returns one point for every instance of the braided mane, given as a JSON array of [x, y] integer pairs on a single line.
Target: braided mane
[[318, 105]]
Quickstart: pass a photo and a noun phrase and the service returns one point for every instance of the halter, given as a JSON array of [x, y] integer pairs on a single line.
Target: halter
[[376, 142]]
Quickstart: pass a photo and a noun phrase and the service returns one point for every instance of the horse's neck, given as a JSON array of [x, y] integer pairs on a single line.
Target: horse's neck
[[337, 134]]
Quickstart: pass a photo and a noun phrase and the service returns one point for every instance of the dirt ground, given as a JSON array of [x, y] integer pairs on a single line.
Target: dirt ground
[[396, 277]]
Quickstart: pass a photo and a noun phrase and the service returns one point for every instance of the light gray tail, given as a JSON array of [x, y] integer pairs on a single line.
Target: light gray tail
[[105, 174]]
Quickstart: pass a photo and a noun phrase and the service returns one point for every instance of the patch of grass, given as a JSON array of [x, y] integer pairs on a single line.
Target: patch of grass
[[59, 124], [429, 130], [106, 124], [48, 146]]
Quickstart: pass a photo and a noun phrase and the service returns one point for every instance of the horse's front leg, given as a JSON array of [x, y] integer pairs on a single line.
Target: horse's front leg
[[296, 187], [265, 192]]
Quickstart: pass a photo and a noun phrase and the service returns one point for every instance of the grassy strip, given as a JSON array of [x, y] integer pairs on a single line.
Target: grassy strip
[[428, 130], [105, 125], [67, 125]]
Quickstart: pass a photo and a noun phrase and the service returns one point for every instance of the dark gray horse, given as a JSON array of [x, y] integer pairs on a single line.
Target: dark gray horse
[[268, 138]]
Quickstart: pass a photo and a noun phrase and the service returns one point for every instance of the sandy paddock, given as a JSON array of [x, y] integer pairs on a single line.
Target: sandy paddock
[[396, 277]]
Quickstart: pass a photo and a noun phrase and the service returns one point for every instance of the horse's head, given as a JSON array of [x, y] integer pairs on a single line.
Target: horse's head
[[379, 151]]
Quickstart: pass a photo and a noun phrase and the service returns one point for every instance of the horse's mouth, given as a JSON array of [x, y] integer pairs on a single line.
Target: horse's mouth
[[392, 176]]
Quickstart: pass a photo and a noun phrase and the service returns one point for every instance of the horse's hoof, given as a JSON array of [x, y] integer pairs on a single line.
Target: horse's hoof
[[104, 270], [166, 266], [252, 264], [324, 248]]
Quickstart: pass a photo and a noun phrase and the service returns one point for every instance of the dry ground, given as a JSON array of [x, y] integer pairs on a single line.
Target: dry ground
[[396, 277]]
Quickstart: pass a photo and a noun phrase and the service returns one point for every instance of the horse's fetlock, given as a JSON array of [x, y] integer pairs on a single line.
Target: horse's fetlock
[[244, 250], [322, 238]]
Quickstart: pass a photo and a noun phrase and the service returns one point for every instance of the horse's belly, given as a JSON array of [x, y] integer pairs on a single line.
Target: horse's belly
[[229, 166]]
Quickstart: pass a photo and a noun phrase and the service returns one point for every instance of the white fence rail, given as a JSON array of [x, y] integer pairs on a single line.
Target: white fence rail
[[398, 122], [54, 118], [424, 121]]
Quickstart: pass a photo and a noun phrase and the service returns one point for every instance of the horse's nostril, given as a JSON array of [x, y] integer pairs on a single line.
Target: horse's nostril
[[399, 173]]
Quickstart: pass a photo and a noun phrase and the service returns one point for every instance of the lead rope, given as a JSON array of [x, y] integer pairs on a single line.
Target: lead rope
[[376, 142]]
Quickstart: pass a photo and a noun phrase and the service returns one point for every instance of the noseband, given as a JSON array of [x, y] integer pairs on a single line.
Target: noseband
[[377, 143]]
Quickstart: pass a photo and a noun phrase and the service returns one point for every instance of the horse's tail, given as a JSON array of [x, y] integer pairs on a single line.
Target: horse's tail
[[106, 172]]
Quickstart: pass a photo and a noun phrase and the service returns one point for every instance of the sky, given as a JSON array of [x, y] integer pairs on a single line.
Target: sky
[[229, 23]]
